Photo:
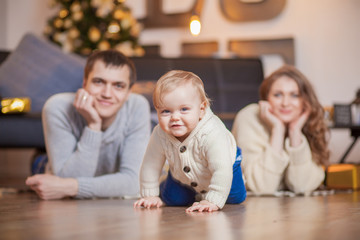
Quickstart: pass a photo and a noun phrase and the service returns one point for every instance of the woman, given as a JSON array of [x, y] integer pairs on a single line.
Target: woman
[[284, 137]]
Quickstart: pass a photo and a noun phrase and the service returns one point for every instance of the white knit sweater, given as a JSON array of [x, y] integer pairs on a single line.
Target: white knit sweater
[[267, 171], [209, 151]]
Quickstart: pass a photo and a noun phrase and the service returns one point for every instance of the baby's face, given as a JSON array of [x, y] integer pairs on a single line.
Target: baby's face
[[181, 111]]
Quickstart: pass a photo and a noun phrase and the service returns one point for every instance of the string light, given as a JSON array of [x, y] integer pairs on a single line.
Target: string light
[[83, 26], [113, 27], [63, 13]]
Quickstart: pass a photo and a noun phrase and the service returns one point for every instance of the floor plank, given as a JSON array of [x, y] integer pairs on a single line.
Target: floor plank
[[24, 216]]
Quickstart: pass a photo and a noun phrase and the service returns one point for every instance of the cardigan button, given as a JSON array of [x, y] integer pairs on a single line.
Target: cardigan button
[[193, 184], [186, 169], [182, 149]]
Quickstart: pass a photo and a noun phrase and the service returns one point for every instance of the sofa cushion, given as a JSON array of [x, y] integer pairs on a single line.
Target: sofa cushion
[[145, 88], [38, 69], [21, 131]]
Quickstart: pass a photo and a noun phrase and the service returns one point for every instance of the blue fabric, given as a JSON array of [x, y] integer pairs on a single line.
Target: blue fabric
[[238, 191], [38, 69], [39, 164], [174, 193]]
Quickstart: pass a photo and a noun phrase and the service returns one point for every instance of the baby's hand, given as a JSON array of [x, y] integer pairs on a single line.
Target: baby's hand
[[149, 202], [202, 206]]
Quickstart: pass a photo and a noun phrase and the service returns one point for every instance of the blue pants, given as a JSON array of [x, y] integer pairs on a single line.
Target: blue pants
[[38, 163], [174, 193]]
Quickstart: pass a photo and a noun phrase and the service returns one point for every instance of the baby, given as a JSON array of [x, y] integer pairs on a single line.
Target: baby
[[204, 161]]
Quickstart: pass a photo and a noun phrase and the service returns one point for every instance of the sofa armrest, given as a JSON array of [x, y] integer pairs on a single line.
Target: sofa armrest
[[21, 131]]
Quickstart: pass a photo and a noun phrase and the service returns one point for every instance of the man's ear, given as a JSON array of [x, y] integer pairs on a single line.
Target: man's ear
[[128, 94], [131, 87], [84, 82]]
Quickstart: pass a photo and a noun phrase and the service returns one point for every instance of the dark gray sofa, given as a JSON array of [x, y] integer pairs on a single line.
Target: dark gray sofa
[[230, 83]]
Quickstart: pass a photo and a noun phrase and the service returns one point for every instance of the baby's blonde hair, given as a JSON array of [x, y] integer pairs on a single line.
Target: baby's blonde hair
[[174, 78]]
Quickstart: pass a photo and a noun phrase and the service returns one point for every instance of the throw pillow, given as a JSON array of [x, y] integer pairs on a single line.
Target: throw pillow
[[38, 69]]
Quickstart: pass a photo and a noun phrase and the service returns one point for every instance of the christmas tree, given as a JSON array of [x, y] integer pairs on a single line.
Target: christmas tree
[[81, 26]]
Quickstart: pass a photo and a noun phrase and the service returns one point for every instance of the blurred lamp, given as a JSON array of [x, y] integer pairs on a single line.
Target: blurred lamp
[[15, 105], [195, 25]]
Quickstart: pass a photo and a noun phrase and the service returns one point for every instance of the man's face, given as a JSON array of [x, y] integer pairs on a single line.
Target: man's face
[[110, 88]]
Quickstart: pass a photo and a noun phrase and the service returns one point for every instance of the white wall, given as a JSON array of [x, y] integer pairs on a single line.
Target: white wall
[[24, 16], [326, 37], [2, 23]]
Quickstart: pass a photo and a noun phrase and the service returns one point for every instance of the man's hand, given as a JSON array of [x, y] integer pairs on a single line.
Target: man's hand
[[84, 104], [50, 187], [202, 206], [149, 202]]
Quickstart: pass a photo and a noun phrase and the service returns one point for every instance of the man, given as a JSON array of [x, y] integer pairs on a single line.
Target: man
[[95, 139]]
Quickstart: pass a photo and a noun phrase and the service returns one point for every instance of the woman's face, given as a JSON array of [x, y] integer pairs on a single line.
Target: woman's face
[[285, 99]]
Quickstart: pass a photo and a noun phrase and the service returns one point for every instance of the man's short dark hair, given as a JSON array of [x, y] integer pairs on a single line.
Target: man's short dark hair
[[110, 58]]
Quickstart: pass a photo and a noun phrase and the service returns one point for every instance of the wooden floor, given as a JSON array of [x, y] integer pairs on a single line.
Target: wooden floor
[[24, 216]]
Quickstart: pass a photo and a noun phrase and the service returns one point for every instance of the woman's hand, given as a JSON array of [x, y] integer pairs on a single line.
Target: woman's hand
[[84, 104], [202, 206], [149, 202], [278, 128], [299, 123], [296, 126], [267, 116]]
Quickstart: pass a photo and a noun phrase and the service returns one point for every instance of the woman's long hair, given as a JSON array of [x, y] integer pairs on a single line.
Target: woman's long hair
[[315, 129]]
